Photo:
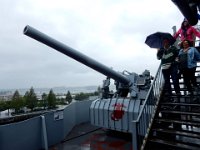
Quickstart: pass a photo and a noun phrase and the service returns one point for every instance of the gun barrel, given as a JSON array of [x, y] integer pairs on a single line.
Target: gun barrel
[[43, 38]]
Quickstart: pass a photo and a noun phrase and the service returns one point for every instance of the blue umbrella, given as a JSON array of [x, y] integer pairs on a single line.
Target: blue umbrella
[[155, 40]]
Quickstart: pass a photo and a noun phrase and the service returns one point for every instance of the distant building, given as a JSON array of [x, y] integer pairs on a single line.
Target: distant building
[[60, 96], [6, 95]]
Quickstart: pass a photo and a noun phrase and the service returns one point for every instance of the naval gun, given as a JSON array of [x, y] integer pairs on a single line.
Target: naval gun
[[112, 111]]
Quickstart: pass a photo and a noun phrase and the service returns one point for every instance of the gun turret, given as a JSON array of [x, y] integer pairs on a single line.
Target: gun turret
[[113, 107], [125, 82]]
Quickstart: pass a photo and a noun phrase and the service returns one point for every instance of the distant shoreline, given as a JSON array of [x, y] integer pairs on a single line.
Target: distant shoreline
[[56, 90]]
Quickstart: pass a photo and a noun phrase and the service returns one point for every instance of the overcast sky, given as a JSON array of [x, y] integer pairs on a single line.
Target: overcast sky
[[110, 31]]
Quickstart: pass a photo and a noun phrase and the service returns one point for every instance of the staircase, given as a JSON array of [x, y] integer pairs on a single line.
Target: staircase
[[176, 125]]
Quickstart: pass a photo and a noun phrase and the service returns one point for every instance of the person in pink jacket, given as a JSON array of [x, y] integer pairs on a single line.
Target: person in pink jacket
[[187, 32]]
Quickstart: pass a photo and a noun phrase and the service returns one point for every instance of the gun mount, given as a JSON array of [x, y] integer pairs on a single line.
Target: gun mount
[[118, 106]]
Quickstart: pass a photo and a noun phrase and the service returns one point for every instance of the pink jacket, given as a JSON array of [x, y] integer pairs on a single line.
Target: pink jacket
[[191, 31]]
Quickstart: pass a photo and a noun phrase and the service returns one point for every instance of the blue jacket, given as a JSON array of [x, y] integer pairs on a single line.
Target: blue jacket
[[193, 55]]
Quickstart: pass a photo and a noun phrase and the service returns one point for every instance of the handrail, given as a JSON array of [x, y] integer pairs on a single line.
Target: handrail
[[144, 120]]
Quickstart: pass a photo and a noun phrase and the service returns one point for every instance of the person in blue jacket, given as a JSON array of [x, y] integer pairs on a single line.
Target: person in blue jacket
[[188, 57]]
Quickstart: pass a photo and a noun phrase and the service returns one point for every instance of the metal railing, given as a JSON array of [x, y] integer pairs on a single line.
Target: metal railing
[[142, 125]]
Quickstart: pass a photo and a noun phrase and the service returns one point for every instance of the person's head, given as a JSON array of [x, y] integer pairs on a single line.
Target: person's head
[[186, 44], [185, 24], [166, 43]]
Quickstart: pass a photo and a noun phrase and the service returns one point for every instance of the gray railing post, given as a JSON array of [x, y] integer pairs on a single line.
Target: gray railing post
[[134, 135], [178, 39], [44, 133]]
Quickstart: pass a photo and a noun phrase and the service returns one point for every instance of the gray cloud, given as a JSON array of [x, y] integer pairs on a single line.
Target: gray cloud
[[112, 32]]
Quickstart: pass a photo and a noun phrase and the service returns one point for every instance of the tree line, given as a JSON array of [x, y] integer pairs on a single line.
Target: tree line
[[48, 101]]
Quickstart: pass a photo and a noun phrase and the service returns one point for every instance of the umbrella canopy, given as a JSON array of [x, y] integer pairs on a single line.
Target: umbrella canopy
[[155, 40]]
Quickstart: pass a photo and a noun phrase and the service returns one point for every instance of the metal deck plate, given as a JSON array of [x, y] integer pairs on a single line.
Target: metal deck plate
[[88, 137]]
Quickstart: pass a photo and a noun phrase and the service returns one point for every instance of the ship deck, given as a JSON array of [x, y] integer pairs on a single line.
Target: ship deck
[[88, 137]]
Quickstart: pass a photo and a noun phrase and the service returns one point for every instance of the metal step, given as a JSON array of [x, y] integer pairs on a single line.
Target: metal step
[[181, 133], [174, 144], [182, 122], [183, 90], [185, 95], [185, 99], [197, 77], [180, 112], [181, 104]]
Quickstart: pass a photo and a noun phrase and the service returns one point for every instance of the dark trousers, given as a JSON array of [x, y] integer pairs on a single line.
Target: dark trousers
[[173, 73], [189, 78]]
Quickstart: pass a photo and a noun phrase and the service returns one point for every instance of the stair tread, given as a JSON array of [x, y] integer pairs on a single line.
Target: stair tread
[[193, 123], [181, 112], [181, 104], [174, 144], [180, 132], [182, 96]]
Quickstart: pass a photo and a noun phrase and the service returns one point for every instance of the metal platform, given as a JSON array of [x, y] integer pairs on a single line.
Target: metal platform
[[88, 137]]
